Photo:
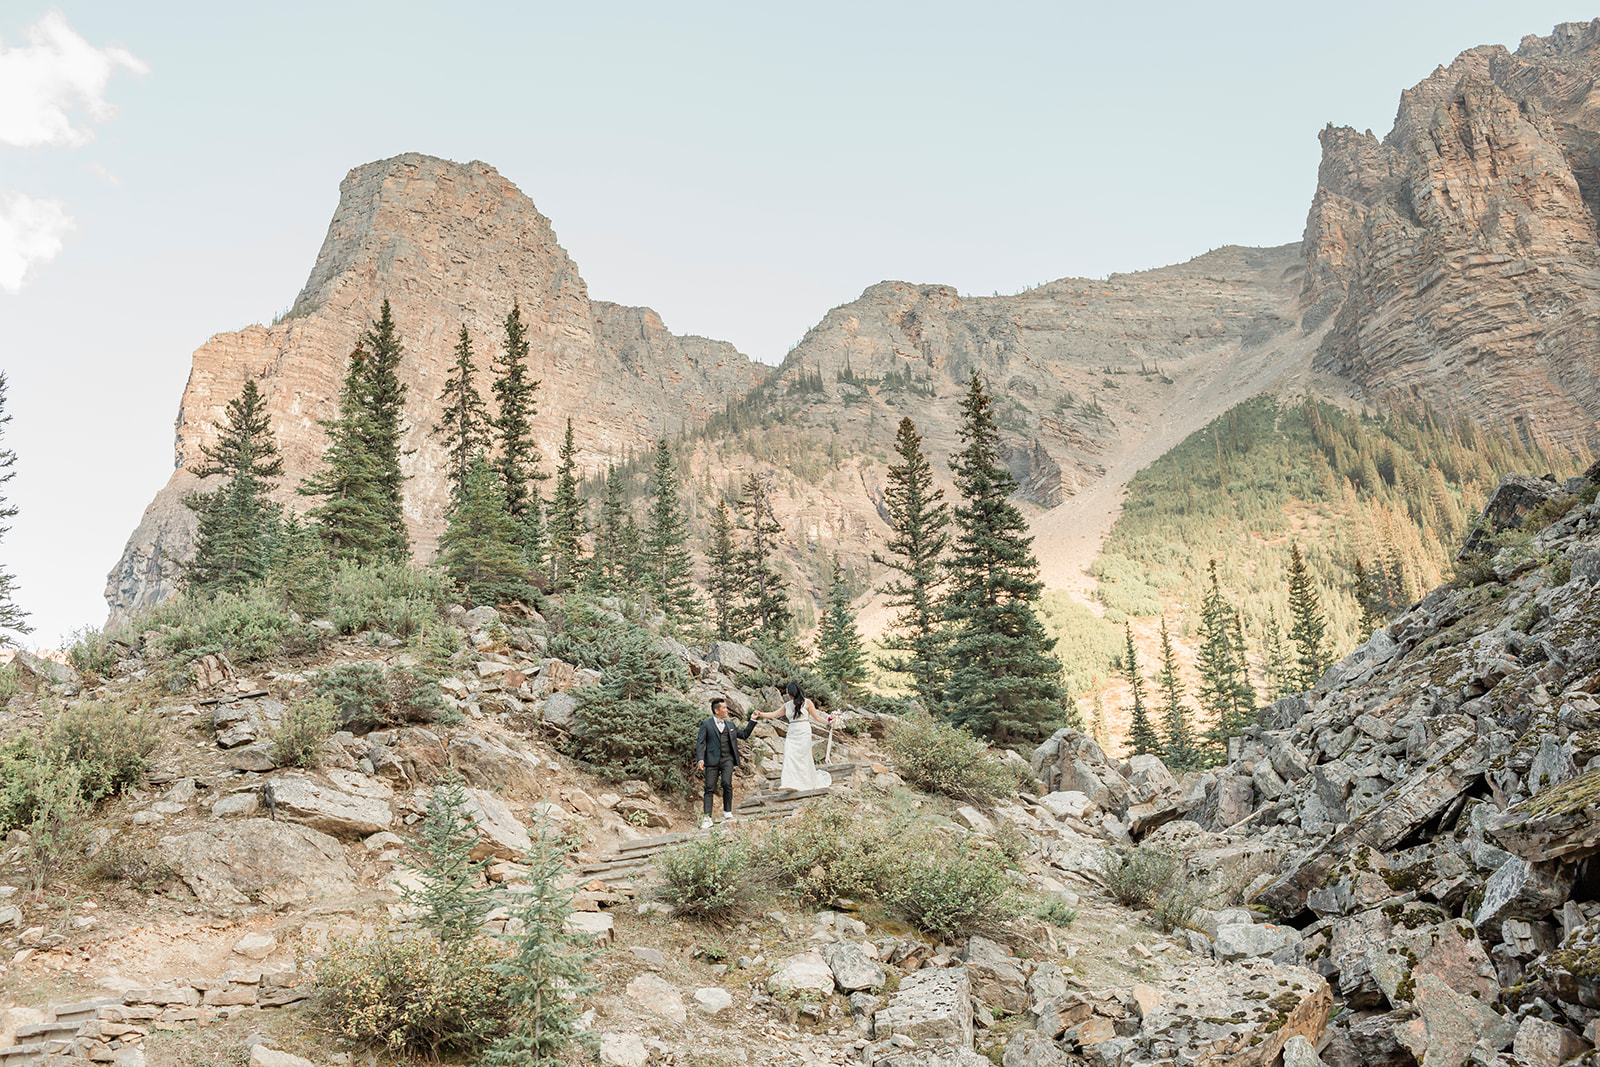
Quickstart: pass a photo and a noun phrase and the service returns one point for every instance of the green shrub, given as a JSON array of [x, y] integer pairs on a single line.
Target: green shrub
[[359, 693], [1174, 908], [779, 668], [246, 627], [1136, 877], [592, 637], [306, 724], [396, 598], [10, 683], [139, 867], [707, 878], [1054, 909], [43, 797], [833, 849], [939, 758], [411, 993], [92, 653], [108, 743], [414, 694], [954, 893]]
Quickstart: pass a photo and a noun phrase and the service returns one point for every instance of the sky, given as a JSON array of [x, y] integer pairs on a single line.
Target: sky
[[167, 172]]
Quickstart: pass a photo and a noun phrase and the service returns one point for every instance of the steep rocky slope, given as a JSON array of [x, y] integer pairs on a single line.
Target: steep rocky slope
[[449, 245], [1457, 258]]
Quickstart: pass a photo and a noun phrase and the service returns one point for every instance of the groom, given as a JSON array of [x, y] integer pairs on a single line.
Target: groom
[[716, 752]]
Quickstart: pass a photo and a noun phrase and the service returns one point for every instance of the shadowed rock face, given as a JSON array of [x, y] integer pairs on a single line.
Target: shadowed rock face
[[1458, 257], [449, 244]]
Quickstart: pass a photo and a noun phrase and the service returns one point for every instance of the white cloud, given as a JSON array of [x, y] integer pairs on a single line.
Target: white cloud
[[31, 231], [55, 73], [99, 170]]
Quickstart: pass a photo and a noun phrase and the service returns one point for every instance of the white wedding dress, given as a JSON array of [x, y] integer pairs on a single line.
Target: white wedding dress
[[799, 769]]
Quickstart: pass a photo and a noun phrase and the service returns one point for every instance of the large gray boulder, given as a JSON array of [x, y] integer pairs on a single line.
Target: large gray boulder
[[275, 863], [329, 810], [732, 658], [852, 968], [500, 833], [932, 1007], [489, 763], [996, 978], [1511, 502]]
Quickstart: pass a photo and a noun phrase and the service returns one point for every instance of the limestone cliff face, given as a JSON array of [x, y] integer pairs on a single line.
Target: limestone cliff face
[[1458, 257], [448, 244]]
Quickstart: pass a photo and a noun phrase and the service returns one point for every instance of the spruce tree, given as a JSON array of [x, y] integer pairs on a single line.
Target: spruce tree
[[353, 515], [384, 396], [479, 548], [763, 608], [1098, 724], [1307, 627], [1225, 695], [1141, 732], [1367, 599], [1244, 688], [565, 525], [516, 454], [918, 517], [298, 576], [1003, 680], [237, 520], [1179, 749], [12, 617], [547, 970], [669, 574], [465, 427], [1275, 656], [722, 584], [607, 566], [840, 658], [454, 895]]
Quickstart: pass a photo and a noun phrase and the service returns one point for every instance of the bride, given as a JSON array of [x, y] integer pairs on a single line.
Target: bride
[[799, 770]]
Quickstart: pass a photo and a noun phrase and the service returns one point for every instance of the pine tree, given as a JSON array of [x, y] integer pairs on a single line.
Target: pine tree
[[1275, 653], [722, 584], [840, 659], [479, 548], [607, 566], [383, 395], [237, 520], [565, 525], [516, 455], [1219, 663], [12, 617], [1307, 627], [1244, 689], [547, 969], [298, 575], [918, 517], [1101, 734], [1003, 680], [1179, 749], [763, 607], [669, 573], [454, 895], [465, 428], [1367, 599], [352, 513], [1141, 732]]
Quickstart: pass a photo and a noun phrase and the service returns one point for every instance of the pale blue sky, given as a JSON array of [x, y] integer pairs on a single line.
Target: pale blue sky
[[741, 168]]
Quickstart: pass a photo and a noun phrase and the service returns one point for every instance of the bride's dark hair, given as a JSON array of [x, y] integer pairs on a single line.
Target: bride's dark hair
[[799, 698]]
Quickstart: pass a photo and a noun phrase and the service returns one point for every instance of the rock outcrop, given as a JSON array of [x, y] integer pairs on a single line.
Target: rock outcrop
[[1458, 258], [449, 244]]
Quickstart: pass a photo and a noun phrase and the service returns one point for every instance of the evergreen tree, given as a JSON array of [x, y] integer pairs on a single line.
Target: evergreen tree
[[479, 548], [534, 535], [918, 517], [763, 608], [353, 515], [547, 970], [465, 428], [1179, 749], [723, 582], [384, 396], [298, 576], [1003, 680], [840, 659], [237, 520], [454, 895], [12, 617], [1367, 599], [1141, 732], [1244, 688], [1307, 627], [1275, 654], [516, 456], [669, 573], [606, 568], [1101, 734], [566, 526], [1225, 692]]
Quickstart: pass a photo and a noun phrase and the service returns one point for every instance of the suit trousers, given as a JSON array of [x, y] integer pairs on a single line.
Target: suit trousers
[[723, 770]]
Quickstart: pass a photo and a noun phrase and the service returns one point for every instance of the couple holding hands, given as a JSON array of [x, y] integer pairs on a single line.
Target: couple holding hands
[[716, 750]]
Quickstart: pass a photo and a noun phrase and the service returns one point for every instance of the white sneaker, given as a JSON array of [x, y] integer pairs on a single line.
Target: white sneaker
[[727, 816], [705, 822]]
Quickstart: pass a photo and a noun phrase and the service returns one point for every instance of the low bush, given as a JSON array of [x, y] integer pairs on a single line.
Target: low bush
[[306, 724], [707, 878], [954, 893], [138, 867], [414, 694], [10, 683], [367, 697], [92, 653], [408, 992], [108, 742], [595, 637], [245, 627], [1135, 878], [396, 598], [43, 797], [833, 849], [939, 758], [1054, 909], [1174, 907]]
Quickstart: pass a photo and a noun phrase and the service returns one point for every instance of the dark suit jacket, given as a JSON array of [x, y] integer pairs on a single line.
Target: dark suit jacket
[[708, 746]]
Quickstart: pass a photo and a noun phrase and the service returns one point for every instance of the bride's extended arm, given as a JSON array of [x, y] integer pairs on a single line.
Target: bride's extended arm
[[825, 720]]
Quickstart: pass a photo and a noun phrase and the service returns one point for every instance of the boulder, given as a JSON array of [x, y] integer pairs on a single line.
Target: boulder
[[623, 1050], [1298, 1052], [500, 833], [1544, 1044], [256, 946], [713, 1001], [1237, 941], [1030, 1048], [940, 1057], [258, 757], [1066, 805], [274, 863], [1449, 1025], [40, 668], [659, 997], [329, 810], [852, 968], [489, 763], [598, 925], [805, 973], [262, 1056], [1511, 502], [1562, 821], [1240, 1014], [1522, 890], [733, 659], [995, 976], [559, 710], [931, 1006]]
